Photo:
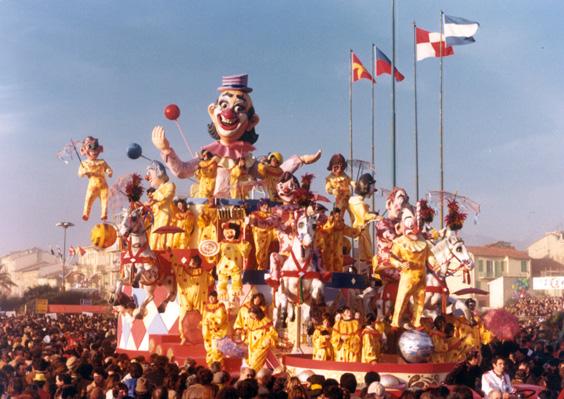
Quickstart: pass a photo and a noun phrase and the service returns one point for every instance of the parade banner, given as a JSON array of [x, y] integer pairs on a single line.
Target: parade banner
[[548, 283]]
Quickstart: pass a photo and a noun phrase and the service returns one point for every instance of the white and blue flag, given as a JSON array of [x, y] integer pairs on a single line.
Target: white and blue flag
[[459, 31]]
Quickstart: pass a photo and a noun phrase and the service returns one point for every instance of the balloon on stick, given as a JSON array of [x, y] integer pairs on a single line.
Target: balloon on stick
[[134, 151], [172, 112]]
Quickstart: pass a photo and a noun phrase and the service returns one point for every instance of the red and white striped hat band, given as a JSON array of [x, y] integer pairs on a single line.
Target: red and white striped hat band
[[235, 82]]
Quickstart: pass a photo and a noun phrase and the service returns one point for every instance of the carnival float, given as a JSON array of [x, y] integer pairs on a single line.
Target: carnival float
[[255, 268]]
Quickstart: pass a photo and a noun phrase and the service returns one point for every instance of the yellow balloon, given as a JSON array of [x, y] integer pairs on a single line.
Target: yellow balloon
[[103, 235]]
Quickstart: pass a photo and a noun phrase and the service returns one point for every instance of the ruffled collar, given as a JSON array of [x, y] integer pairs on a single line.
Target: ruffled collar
[[238, 149]]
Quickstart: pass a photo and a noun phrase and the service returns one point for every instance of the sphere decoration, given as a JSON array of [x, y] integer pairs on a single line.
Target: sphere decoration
[[415, 346], [172, 112], [134, 151], [103, 235], [208, 248]]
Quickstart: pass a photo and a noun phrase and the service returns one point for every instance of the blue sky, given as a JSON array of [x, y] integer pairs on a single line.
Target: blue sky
[[107, 69]]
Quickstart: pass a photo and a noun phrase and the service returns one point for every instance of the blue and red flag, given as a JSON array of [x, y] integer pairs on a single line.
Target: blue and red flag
[[384, 65]]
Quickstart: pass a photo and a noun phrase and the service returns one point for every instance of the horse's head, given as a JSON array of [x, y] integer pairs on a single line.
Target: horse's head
[[452, 254], [133, 221], [305, 228]]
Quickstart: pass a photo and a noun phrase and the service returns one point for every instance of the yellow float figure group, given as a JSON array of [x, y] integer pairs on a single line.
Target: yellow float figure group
[[227, 169]]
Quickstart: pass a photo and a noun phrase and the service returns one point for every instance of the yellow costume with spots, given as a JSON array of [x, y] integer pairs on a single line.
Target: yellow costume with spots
[[371, 345], [162, 208], [187, 222], [206, 174], [411, 257], [345, 339], [214, 327], [239, 182], [207, 227], [96, 171], [262, 337], [230, 266], [322, 347], [243, 320], [340, 188], [270, 177], [263, 234], [193, 285], [361, 216]]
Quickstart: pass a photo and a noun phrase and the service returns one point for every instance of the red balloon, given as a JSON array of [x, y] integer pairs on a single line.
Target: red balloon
[[172, 112]]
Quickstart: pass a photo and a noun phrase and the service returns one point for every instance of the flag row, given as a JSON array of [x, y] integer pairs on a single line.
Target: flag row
[[456, 31]]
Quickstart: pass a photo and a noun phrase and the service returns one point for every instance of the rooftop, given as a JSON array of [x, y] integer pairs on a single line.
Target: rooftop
[[500, 249]]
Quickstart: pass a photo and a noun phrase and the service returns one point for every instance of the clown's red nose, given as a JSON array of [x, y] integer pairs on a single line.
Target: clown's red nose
[[228, 113]]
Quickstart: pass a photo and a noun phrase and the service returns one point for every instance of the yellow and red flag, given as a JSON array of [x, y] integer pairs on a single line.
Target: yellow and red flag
[[358, 70]]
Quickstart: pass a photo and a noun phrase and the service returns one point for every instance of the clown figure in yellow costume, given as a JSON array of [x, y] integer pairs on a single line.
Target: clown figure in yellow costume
[[207, 225], [410, 254], [206, 174], [345, 338], [184, 219], [371, 340], [214, 327], [243, 319], [262, 337], [193, 283], [361, 215], [338, 183], [240, 181], [233, 253], [262, 226], [321, 339], [160, 202], [337, 231], [96, 170], [270, 172]]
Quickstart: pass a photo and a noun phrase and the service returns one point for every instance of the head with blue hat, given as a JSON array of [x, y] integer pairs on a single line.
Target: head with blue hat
[[233, 115]]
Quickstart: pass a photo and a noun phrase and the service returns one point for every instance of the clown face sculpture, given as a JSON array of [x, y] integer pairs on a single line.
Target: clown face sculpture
[[233, 117]]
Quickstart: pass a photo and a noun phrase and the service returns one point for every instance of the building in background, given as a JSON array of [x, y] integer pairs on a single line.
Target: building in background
[[31, 267], [494, 261], [547, 255], [88, 267]]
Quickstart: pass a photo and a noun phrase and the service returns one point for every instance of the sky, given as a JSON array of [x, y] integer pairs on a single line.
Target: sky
[[108, 69]]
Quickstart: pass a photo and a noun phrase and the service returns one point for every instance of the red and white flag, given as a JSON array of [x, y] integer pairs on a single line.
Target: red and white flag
[[431, 44]]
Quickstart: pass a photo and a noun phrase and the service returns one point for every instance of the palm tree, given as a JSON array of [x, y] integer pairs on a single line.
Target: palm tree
[[6, 282]]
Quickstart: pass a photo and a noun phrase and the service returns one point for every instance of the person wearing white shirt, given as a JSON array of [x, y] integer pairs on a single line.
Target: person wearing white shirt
[[497, 379]]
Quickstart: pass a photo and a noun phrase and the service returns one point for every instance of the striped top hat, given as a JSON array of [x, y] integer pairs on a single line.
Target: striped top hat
[[235, 82]]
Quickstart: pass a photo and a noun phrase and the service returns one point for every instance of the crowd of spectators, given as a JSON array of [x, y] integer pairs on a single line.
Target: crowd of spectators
[[73, 356], [536, 308]]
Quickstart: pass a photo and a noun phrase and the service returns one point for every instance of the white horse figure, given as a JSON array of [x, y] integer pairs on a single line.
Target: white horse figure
[[300, 281], [139, 263], [452, 256]]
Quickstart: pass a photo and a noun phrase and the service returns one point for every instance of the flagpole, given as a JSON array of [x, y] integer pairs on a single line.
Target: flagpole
[[394, 175], [441, 115], [350, 114], [373, 159], [351, 130], [415, 108]]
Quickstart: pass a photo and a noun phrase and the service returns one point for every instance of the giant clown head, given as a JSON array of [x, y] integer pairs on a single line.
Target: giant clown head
[[233, 115]]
